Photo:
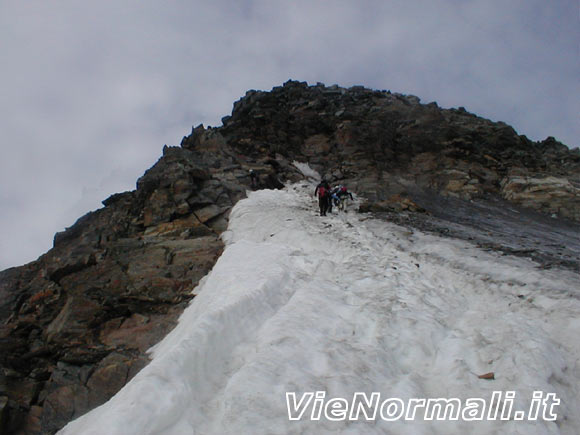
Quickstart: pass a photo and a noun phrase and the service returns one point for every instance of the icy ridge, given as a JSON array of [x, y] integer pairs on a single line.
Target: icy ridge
[[345, 304]]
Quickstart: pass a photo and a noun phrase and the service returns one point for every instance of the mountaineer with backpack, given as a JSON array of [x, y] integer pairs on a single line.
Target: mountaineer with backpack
[[334, 199], [254, 179], [340, 194], [323, 192]]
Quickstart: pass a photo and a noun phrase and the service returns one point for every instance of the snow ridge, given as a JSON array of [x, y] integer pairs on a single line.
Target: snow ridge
[[344, 304]]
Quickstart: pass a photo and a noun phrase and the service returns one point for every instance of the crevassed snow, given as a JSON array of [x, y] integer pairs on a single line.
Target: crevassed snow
[[344, 304]]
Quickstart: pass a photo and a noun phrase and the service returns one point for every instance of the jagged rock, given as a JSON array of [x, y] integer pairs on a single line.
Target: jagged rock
[[136, 332], [549, 194], [23, 392], [63, 405], [209, 212], [109, 377], [73, 320], [488, 376], [32, 423], [88, 296]]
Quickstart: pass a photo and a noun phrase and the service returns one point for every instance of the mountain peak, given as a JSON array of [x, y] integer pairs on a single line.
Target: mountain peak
[[76, 323]]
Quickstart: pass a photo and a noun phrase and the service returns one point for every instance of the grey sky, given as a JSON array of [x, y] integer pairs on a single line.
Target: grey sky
[[90, 92]]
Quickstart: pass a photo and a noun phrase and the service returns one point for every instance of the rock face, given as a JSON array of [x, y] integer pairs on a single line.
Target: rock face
[[384, 143], [550, 194], [76, 323]]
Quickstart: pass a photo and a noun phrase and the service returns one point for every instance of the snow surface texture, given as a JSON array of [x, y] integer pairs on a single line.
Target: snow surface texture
[[345, 304]]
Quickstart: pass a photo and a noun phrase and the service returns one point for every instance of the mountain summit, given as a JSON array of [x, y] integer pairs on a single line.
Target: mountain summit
[[75, 324]]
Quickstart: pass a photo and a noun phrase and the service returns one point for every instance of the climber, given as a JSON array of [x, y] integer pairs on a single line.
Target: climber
[[323, 192], [253, 179], [334, 199], [342, 194]]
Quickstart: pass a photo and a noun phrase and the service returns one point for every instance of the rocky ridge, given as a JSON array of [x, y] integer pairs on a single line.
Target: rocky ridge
[[386, 143], [75, 324]]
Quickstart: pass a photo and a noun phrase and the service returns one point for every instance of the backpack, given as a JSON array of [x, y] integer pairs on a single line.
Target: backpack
[[322, 192]]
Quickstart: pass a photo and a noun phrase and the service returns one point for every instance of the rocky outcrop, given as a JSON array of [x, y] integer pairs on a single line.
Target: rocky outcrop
[[75, 324], [554, 195], [384, 143]]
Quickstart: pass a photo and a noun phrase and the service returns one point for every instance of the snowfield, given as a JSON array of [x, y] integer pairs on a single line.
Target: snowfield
[[344, 304]]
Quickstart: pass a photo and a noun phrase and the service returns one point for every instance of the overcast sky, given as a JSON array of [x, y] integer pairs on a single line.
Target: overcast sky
[[91, 91]]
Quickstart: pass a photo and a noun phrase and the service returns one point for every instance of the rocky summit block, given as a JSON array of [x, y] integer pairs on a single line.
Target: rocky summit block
[[75, 325], [382, 143]]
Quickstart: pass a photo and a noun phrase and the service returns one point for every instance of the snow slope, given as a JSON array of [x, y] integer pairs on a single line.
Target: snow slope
[[344, 304]]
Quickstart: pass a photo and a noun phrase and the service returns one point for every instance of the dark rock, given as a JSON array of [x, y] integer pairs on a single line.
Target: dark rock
[[118, 197], [487, 376], [109, 377], [23, 391], [63, 405], [3, 413], [32, 422]]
